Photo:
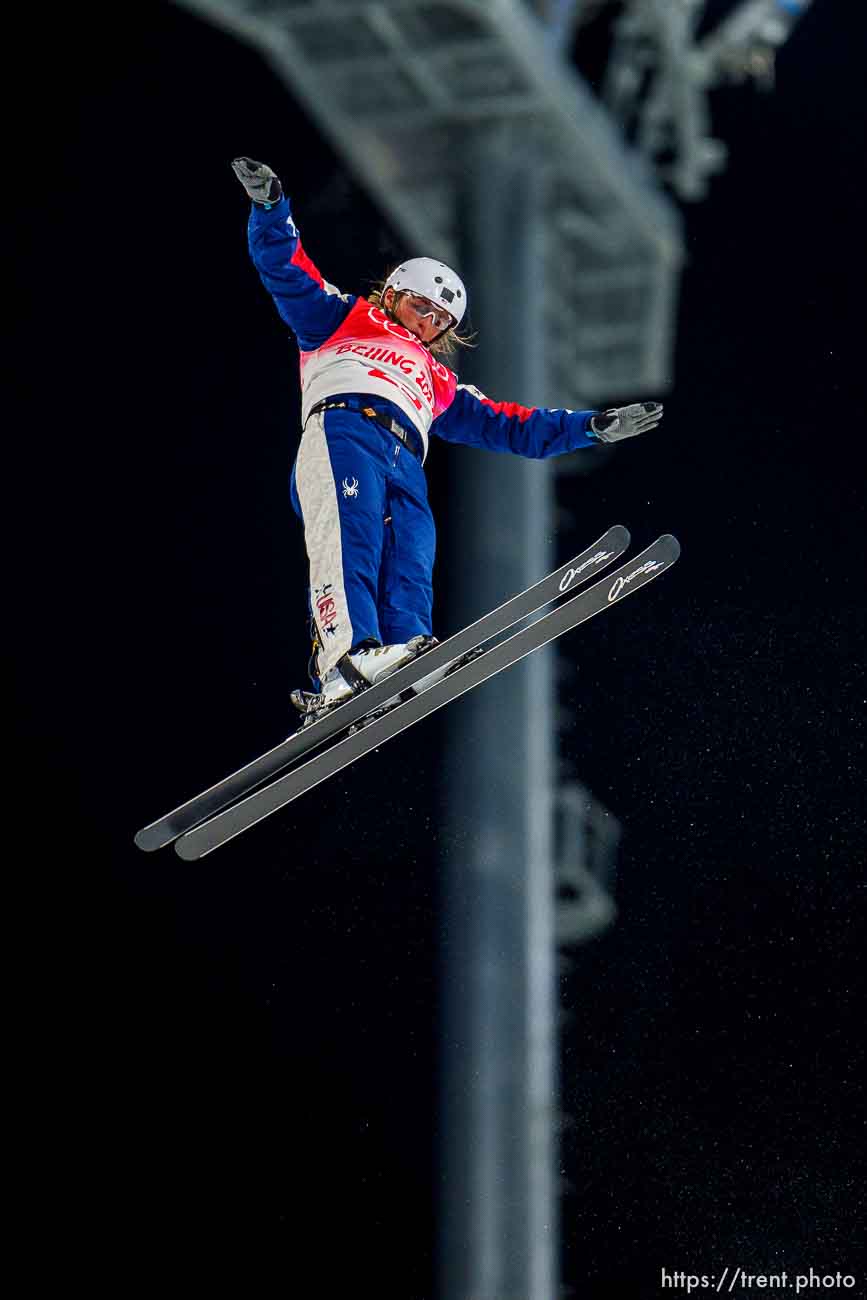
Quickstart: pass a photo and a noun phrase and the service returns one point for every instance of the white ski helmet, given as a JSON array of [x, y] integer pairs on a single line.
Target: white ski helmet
[[433, 280]]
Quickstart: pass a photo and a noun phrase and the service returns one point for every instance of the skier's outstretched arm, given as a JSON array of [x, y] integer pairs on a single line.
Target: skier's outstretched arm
[[308, 304], [538, 432]]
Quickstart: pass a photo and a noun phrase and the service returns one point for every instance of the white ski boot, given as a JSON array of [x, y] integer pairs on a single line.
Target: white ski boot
[[355, 672]]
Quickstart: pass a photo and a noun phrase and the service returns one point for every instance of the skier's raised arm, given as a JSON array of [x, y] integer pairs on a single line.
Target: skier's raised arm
[[309, 305], [477, 421]]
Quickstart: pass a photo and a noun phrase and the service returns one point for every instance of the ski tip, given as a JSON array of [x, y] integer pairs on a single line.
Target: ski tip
[[672, 544]]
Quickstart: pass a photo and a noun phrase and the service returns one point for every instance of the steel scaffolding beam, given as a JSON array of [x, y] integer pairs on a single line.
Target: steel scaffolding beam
[[660, 73], [500, 1237]]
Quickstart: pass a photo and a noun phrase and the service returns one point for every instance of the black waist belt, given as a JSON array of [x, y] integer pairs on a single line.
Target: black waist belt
[[412, 444]]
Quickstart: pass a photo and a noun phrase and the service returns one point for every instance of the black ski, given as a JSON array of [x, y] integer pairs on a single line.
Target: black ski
[[576, 609], [238, 784]]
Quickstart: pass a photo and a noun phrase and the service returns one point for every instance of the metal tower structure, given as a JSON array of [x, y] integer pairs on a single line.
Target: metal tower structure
[[403, 88], [483, 147], [662, 69]]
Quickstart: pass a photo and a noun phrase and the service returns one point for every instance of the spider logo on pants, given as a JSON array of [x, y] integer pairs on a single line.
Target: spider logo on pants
[[350, 489]]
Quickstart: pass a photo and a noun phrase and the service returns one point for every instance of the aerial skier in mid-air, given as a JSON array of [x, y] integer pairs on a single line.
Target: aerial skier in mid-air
[[374, 387], [373, 390]]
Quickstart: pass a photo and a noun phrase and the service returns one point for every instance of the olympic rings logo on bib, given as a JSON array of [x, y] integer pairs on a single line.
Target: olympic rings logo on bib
[[393, 328], [380, 318]]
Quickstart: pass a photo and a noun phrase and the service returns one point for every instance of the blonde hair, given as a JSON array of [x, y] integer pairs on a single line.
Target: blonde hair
[[446, 345]]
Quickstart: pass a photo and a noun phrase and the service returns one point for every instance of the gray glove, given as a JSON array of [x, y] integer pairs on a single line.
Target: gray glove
[[258, 180], [625, 421]]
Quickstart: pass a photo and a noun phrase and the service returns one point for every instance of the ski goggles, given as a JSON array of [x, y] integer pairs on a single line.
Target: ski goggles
[[424, 309]]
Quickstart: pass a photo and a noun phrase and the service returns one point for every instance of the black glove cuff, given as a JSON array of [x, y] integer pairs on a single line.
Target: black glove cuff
[[601, 421], [275, 194]]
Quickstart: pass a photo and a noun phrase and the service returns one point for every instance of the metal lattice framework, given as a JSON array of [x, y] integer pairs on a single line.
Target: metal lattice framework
[[407, 92], [661, 71]]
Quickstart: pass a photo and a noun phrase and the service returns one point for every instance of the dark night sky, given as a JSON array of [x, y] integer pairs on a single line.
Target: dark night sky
[[233, 1063]]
